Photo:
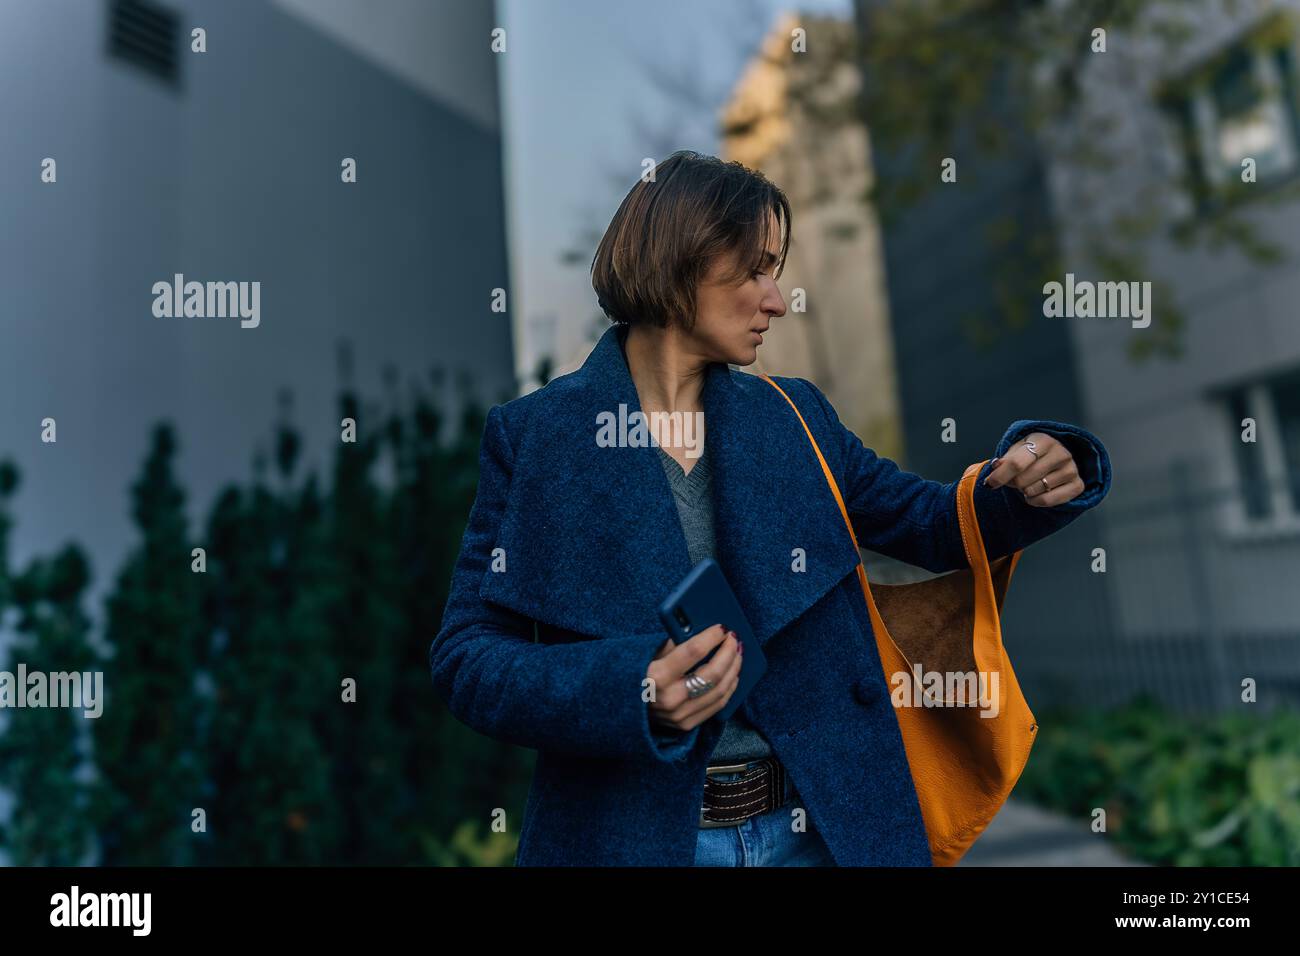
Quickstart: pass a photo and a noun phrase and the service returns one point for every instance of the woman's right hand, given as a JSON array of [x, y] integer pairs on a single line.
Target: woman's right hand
[[673, 706]]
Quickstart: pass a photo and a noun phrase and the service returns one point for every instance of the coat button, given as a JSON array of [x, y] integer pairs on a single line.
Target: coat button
[[866, 690]]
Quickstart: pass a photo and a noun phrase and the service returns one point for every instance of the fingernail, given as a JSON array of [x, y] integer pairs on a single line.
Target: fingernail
[[741, 647]]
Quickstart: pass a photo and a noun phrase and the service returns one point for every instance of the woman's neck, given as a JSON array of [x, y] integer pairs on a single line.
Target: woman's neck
[[668, 375]]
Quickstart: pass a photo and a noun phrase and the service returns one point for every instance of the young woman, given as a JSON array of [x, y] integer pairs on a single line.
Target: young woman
[[551, 638]]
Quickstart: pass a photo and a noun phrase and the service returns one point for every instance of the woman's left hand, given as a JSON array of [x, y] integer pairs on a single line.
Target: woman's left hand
[[1025, 469]]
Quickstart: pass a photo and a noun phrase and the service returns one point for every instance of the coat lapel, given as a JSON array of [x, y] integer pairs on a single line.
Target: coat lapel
[[781, 540], [591, 537]]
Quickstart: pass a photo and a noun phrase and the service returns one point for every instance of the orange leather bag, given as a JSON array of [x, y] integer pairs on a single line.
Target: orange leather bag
[[963, 764]]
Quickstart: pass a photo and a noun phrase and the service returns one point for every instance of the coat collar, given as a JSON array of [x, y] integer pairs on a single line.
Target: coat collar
[[591, 535]]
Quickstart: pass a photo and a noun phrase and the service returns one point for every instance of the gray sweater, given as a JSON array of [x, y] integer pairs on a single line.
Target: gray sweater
[[693, 492]]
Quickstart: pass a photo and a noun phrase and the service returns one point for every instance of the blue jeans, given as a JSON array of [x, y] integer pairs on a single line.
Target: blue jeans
[[765, 839]]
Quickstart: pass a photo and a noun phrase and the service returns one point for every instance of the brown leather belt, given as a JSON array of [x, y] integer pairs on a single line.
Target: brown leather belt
[[727, 803]]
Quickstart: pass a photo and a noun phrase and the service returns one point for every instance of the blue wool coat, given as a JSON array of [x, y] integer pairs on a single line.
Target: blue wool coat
[[549, 650]]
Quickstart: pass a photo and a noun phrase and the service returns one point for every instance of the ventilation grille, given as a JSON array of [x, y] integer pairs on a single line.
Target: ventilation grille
[[145, 35]]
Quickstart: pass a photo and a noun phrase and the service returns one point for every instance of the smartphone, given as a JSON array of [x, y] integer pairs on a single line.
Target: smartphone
[[701, 600]]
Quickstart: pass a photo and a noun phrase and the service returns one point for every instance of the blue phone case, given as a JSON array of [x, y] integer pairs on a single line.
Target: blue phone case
[[701, 600]]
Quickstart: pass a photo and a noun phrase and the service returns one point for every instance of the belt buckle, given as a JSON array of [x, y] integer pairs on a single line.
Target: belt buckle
[[776, 784], [728, 767]]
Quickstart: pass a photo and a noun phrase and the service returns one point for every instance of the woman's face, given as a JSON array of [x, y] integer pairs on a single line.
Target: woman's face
[[730, 318]]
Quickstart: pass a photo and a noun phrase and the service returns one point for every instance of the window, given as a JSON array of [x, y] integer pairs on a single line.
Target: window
[[1267, 471], [1250, 472], [1245, 115], [1240, 105], [1286, 408]]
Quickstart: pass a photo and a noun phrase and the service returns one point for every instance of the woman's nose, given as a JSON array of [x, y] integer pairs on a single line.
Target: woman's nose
[[773, 302], [778, 309]]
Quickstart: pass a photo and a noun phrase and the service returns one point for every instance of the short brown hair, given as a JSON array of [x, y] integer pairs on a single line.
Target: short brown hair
[[668, 232]]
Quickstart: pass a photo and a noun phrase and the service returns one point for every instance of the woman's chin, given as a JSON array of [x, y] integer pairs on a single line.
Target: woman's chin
[[745, 355]]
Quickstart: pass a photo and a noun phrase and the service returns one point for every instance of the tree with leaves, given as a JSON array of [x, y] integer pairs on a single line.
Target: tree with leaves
[[272, 674], [146, 743], [986, 79], [43, 750]]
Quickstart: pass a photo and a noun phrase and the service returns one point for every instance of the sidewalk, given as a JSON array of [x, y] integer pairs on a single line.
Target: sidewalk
[[1025, 835]]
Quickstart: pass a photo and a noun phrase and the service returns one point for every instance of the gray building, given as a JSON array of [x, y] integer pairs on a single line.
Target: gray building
[[1203, 531], [225, 166]]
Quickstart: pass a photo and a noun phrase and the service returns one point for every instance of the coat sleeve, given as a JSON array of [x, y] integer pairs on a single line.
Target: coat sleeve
[[913, 519], [581, 698]]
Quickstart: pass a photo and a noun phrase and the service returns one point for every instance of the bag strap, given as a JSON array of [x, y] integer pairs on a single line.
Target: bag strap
[[972, 540], [826, 469], [986, 606]]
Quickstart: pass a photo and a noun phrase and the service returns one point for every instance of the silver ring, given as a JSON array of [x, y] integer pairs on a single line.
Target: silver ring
[[1033, 449], [1046, 486], [697, 685]]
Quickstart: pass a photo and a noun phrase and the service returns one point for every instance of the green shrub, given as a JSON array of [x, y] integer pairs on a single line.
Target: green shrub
[[1180, 791]]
